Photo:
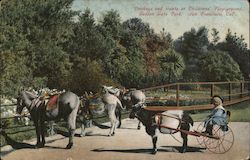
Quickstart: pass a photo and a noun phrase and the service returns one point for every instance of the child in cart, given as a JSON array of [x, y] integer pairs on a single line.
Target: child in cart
[[218, 116]]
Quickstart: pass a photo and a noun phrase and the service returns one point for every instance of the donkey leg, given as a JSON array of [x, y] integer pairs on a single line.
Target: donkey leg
[[118, 115], [184, 126], [71, 127], [112, 117], [38, 134], [139, 125], [83, 132], [154, 140], [184, 145], [112, 128], [119, 120], [43, 133]]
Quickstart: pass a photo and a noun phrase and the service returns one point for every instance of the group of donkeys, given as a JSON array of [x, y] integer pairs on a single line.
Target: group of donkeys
[[114, 101]]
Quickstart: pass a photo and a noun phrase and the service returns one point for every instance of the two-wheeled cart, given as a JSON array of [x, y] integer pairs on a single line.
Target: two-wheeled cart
[[219, 141]]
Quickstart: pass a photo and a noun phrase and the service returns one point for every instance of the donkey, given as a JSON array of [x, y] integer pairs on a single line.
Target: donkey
[[133, 97], [110, 104], [118, 93], [65, 106], [154, 123]]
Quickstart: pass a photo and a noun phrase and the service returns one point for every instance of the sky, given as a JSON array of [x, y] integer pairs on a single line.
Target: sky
[[178, 16]]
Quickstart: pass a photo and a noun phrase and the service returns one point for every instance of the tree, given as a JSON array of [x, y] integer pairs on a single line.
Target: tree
[[219, 66], [138, 27], [87, 75], [114, 59], [192, 45], [14, 73], [44, 27], [215, 37], [236, 47], [86, 41], [172, 65]]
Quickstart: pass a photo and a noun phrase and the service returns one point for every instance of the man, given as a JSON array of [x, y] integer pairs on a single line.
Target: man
[[218, 116]]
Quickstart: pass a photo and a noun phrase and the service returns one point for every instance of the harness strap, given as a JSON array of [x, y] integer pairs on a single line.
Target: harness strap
[[35, 103]]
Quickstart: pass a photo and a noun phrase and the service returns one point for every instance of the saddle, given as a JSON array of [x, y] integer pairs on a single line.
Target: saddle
[[52, 102]]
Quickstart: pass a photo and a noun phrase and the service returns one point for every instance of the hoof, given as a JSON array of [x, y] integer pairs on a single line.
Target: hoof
[[82, 135], [69, 146], [39, 145], [183, 150], [154, 151], [139, 127], [112, 134]]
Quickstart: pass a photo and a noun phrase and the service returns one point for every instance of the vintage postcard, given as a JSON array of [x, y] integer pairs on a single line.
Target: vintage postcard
[[124, 80]]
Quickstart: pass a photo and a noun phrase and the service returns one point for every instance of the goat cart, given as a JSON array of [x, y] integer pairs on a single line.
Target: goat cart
[[219, 142]]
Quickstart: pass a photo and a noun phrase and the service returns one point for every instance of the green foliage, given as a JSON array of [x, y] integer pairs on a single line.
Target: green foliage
[[215, 37], [86, 41], [237, 49], [172, 64], [192, 45], [14, 72], [193, 42], [87, 74], [219, 66], [138, 27], [45, 43]]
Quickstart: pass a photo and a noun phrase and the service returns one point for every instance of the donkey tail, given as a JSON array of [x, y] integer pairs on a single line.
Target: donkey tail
[[120, 104]]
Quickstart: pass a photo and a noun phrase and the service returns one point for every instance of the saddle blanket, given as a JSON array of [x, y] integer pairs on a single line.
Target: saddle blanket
[[52, 102]]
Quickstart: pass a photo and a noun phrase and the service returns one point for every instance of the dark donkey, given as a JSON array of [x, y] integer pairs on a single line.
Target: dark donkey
[[154, 122], [67, 105]]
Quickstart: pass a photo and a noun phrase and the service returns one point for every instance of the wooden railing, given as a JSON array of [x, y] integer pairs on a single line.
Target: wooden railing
[[231, 92]]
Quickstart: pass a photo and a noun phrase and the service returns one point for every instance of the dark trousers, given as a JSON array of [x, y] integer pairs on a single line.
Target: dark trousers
[[209, 129]]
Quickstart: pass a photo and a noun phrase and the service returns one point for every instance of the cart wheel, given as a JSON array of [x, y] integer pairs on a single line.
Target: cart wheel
[[201, 139], [222, 142]]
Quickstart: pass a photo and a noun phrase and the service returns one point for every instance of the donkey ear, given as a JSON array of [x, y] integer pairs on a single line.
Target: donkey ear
[[21, 89], [86, 95]]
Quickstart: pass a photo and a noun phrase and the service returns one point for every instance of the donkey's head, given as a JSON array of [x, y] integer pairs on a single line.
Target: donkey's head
[[136, 109], [20, 102]]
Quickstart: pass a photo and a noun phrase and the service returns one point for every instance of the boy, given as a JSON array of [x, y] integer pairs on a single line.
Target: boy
[[218, 116]]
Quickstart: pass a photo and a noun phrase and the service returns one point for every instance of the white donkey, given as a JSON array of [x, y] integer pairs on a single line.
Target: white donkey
[[133, 97], [110, 103]]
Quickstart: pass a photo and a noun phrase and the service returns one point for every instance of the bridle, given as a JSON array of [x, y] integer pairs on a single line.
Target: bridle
[[136, 109]]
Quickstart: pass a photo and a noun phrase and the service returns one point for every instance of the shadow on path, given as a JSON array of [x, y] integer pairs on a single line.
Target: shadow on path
[[148, 151], [100, 125], [14, 144]]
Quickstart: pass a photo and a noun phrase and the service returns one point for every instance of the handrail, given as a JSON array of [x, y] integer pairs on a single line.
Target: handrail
[[194, 107], [191, 83], [211, 88]]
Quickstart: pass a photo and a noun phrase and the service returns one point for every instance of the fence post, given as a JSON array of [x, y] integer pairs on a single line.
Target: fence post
[[241, 89], [212, 90], [177, 94], [230, 91]]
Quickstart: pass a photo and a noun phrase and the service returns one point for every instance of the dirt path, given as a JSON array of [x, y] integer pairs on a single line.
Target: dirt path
[[131, 144]]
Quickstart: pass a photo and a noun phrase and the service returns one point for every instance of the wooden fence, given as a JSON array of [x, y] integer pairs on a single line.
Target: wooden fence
[[231, 92]]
